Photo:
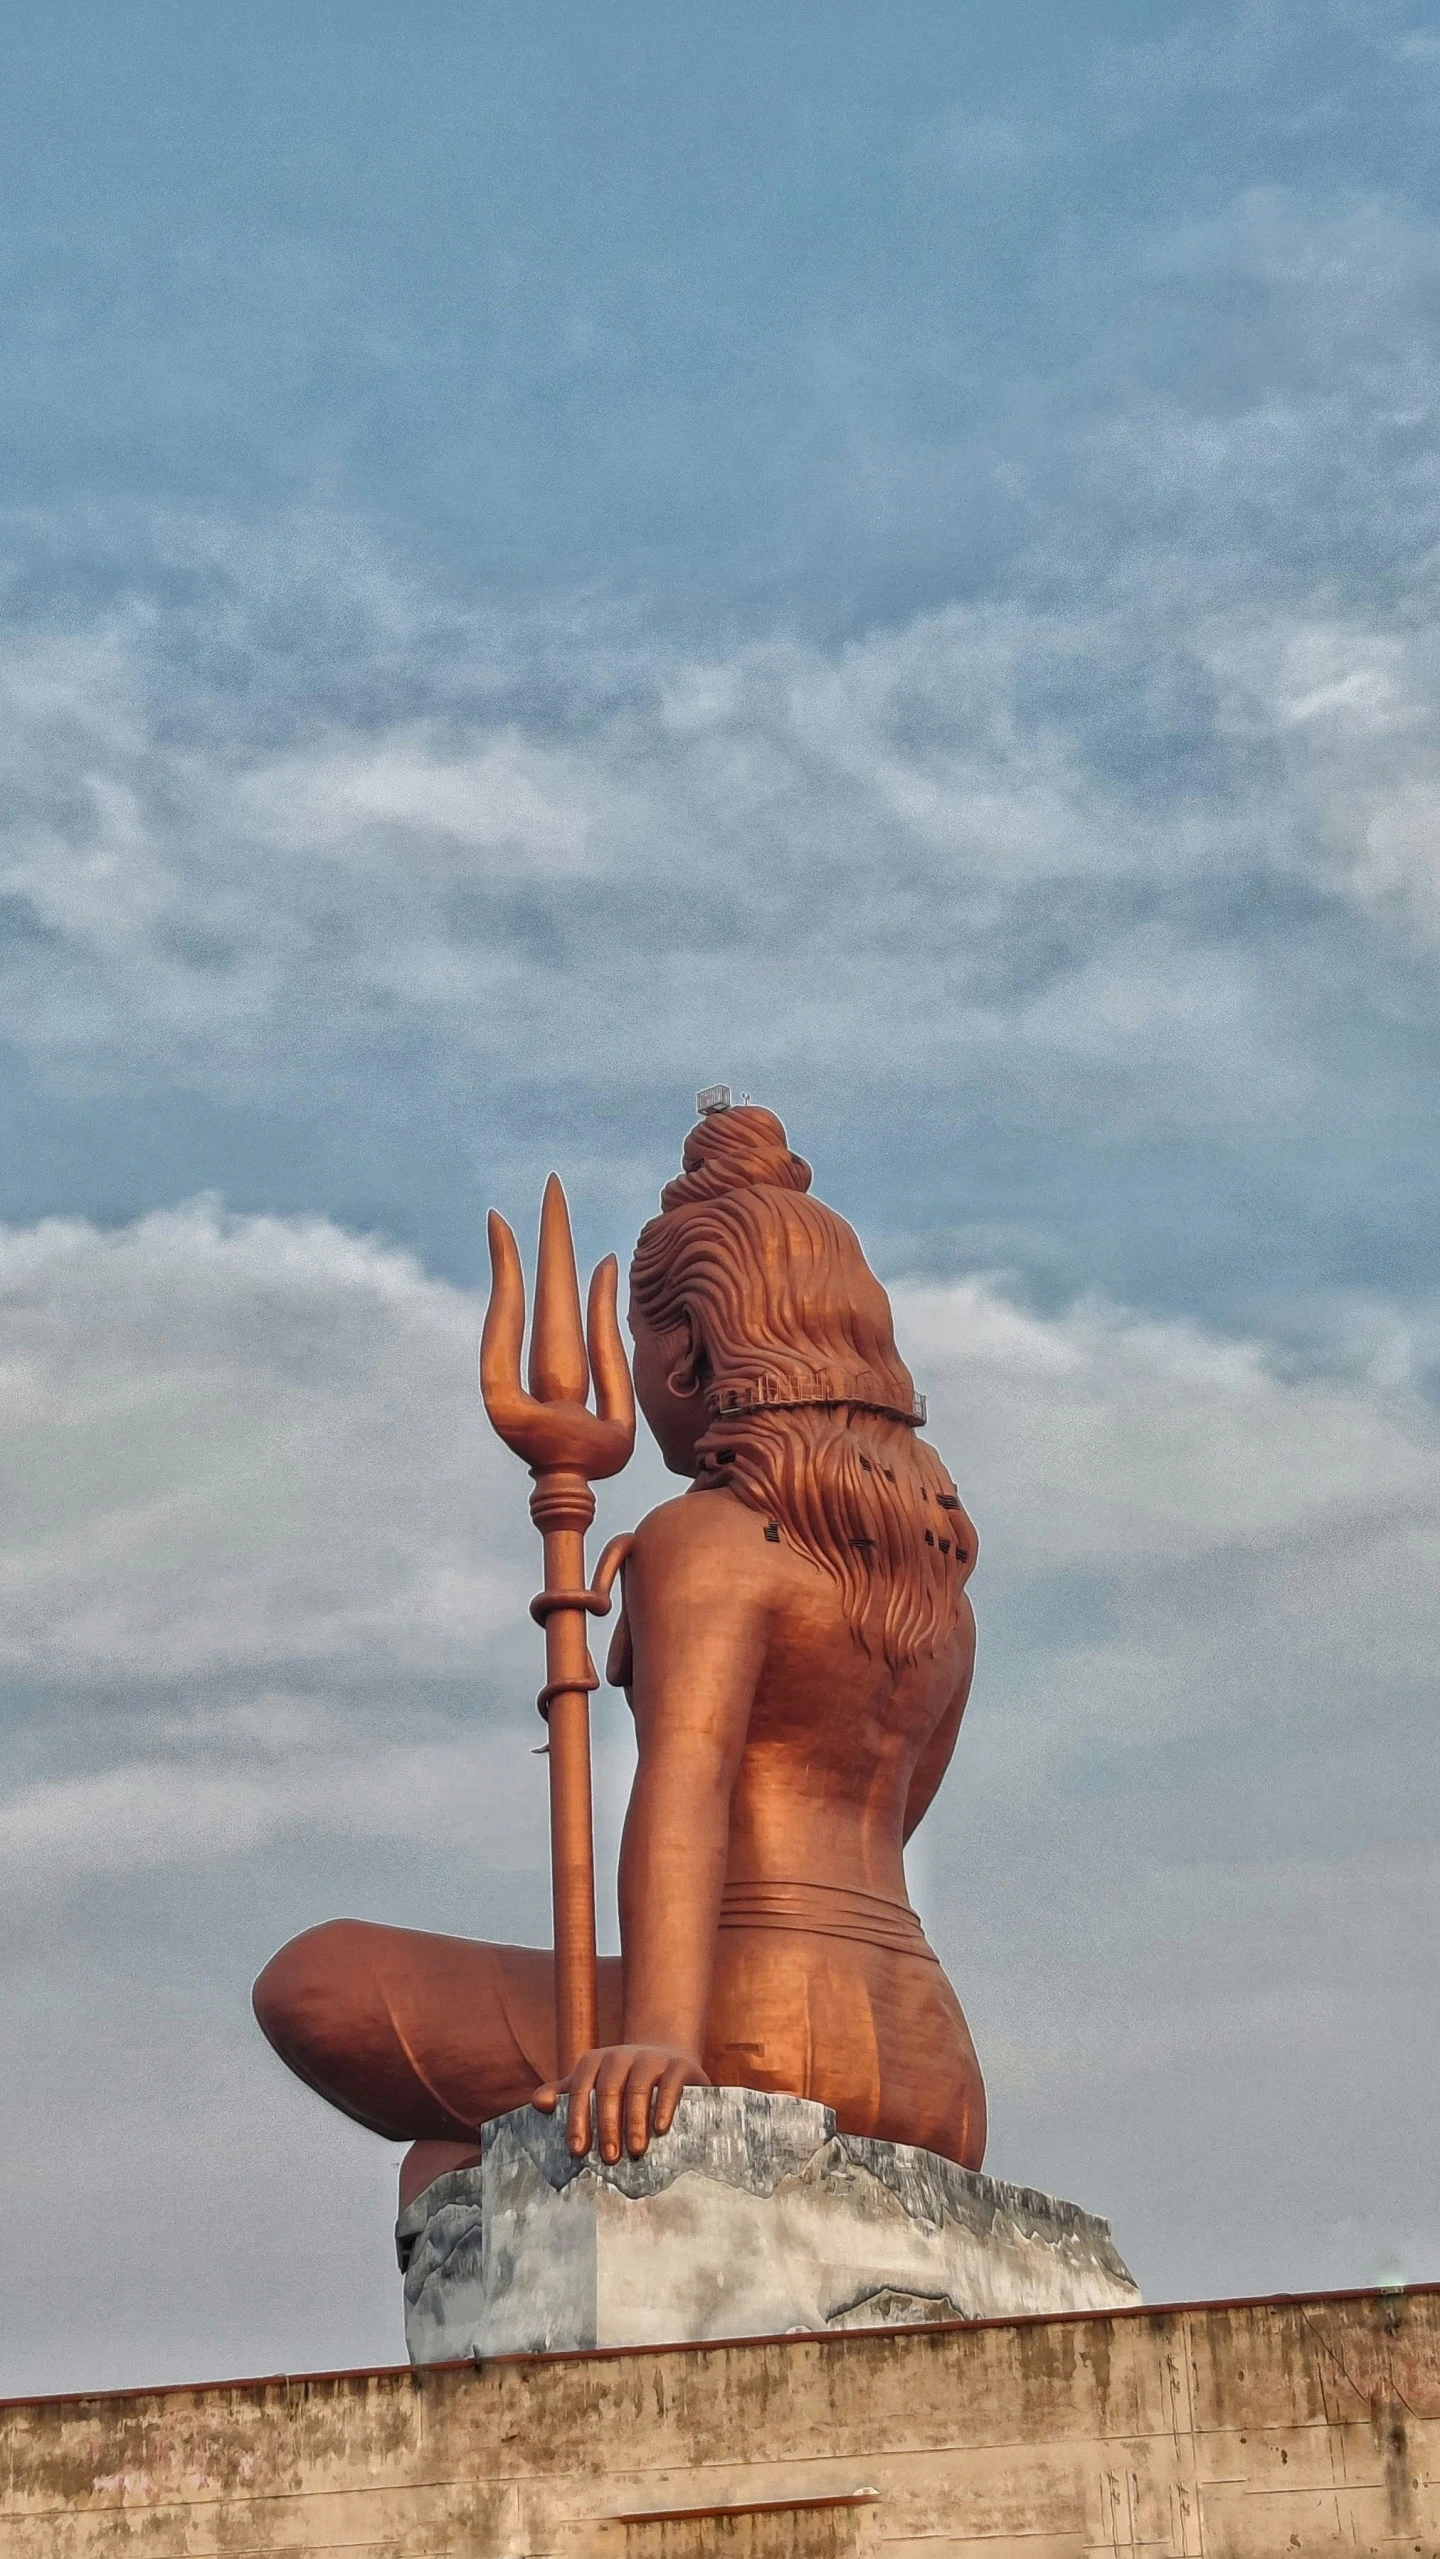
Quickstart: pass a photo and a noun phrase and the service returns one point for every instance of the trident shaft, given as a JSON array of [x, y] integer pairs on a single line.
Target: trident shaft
[[567, 1448]]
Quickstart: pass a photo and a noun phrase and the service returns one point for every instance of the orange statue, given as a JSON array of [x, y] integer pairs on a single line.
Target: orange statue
[[796, 1645]]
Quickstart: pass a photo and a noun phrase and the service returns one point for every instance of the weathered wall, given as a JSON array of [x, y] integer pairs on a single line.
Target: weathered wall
[[1231, 2429]]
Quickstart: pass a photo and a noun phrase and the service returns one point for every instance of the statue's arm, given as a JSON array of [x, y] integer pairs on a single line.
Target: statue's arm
[[697, 1600], [696, 1594], [935, 1758]]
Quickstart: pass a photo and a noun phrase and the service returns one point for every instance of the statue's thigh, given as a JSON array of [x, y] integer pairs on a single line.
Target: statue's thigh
[[416, 2035]]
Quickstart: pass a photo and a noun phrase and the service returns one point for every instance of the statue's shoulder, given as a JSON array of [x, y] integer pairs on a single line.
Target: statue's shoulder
[[690, 1557], [695, 1530]]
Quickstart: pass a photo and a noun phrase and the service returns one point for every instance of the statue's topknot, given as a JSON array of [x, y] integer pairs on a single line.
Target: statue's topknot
[[762, 1298], [735, 1150]]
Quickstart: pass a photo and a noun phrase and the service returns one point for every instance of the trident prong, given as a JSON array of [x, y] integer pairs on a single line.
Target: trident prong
[[567, 1448], [552, 1424]]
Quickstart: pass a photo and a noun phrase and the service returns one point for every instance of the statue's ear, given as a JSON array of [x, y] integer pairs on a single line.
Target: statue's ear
[[684, 1376]]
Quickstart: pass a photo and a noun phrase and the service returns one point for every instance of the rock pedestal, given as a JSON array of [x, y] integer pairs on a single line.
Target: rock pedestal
[[751, 2217]]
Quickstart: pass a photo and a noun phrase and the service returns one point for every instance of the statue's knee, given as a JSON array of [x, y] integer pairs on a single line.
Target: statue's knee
[[301, 1988]]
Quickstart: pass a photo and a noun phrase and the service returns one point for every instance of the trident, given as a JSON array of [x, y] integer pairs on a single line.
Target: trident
[[566, 1447]]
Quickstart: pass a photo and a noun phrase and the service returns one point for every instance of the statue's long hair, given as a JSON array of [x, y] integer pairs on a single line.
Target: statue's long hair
[[814, 1409]]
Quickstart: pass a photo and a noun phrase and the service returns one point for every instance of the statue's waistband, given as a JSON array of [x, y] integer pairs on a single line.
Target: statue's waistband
[[826, 1910]]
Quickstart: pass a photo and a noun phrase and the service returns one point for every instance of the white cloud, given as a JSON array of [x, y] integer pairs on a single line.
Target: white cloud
[[238, 1442], [160, 1811], [509, 806], [1263, 1544], [888, 840], [1108, 1438], [1354, 710], [857, 822]]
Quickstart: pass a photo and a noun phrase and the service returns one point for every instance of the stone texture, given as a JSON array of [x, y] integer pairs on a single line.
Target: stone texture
[[1241, 2430], [752, 2217]]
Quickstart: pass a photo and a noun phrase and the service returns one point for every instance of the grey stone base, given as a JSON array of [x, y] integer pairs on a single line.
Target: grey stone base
[[752, 2217]]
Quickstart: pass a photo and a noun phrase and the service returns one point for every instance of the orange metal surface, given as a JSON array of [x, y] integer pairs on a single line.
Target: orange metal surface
[[796, 1646]]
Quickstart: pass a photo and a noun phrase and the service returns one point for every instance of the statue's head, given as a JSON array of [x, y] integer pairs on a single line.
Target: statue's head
[[765, 1361]]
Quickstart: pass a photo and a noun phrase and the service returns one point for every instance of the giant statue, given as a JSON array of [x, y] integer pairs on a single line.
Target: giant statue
[[796, 1646]]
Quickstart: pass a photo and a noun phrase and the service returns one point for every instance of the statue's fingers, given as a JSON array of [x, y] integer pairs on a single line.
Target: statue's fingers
[[639, 2089], [546, 2098], [581, 2087], [609, 2104], [667, 2095]]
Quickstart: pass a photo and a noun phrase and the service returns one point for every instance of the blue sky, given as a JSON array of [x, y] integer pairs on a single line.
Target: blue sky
[[461, 381], [886, 556]]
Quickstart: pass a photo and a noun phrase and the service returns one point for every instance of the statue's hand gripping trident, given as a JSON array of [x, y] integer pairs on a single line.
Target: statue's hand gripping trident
[[567, 1448]]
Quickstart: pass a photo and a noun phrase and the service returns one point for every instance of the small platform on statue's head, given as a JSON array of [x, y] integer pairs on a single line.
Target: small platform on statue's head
[[751, 2217]]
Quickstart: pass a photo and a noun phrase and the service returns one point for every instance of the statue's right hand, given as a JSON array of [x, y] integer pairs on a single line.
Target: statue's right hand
[[635, 2088]]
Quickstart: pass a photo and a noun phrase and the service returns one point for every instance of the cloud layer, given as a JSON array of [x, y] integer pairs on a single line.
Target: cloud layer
[[899, 812], [1047, 819], [190, 1403], [904, 883]]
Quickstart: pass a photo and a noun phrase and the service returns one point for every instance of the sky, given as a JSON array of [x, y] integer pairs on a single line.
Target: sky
[[547, 559]]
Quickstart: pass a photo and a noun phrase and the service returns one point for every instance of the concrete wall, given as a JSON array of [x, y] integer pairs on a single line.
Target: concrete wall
[[1230, 2429]]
